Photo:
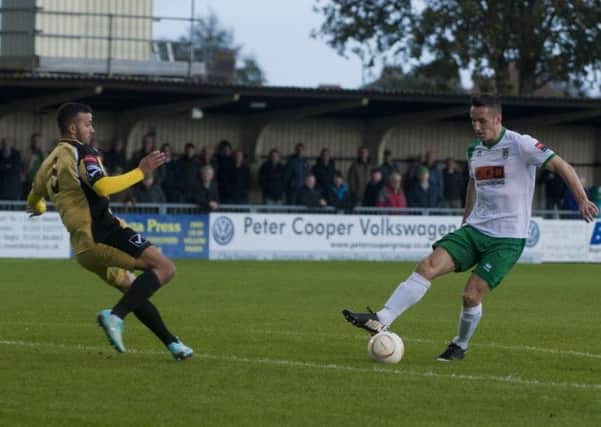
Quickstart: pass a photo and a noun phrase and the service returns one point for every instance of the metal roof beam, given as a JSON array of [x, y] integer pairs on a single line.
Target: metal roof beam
[[419, 117], [38, 103], [302, 112], [555, 119], [178, 107]]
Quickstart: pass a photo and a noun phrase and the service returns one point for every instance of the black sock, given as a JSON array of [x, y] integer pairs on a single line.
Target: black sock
[[143, 287], [149, 315]]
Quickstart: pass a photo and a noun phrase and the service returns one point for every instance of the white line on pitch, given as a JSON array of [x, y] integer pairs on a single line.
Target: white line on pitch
[[528, 348], [509, 379]]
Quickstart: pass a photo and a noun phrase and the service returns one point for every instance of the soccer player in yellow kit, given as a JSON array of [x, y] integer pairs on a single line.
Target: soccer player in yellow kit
[[74, 179]]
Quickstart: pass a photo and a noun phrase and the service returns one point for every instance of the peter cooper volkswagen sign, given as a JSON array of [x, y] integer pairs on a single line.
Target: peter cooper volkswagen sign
[[367, 237], [285, 236]]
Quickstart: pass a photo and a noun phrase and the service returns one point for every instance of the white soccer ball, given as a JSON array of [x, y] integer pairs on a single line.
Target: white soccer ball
[[386, 347]]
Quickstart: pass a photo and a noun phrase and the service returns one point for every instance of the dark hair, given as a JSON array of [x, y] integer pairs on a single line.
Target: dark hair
[[487, 100], [68, 112]]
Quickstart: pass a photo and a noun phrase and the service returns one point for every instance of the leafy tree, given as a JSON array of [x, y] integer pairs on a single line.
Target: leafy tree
[[540, 40], [216, 46]]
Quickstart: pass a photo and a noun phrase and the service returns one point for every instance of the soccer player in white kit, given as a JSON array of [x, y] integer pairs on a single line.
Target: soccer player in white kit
[[502, 167]]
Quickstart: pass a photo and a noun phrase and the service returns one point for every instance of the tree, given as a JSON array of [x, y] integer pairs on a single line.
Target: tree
[[249, 72], [216, 47], [435, 76], [542, 41]]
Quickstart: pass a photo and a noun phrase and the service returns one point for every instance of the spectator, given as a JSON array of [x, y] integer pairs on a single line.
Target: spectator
[[358, 175], [435, 178], [324, 170], [225, 170], [338, 194], [297, 169], [204, 191], [271, 179], [239, 181], [207, 157], [32, 161], [454, 185], [187, 170], [392, 195], [388, 166], [148, 191], [10, 172], [115, 159], [555, 190], [422, 193], [148, 146], [410, 177], [372, 190], [309, 195]]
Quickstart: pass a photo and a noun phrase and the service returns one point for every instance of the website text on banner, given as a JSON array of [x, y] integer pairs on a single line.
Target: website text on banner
[[369, 237], [39, 237]]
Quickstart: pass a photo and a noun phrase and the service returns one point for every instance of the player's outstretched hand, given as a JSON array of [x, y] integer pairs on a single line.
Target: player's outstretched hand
[[152, 161], [589, 211]]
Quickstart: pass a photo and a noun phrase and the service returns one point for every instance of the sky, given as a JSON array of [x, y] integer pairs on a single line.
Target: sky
[[277, 33]]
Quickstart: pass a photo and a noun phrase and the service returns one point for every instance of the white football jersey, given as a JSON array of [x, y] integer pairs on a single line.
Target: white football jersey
[[504, 176]]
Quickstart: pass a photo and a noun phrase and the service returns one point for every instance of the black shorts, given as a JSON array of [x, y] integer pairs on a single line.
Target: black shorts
[[128, 241]]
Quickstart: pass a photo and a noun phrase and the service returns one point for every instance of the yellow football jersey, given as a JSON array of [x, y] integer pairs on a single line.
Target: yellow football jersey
[[66, 177]]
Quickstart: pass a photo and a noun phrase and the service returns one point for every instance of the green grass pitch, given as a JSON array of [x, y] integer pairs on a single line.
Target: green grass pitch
[[273, 349]]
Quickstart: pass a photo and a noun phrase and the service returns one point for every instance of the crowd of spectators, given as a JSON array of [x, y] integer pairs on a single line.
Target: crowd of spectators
[[210, 177]]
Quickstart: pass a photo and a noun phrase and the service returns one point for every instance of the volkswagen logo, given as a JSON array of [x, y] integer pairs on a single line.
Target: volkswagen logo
[[223, 230], [533, 234]]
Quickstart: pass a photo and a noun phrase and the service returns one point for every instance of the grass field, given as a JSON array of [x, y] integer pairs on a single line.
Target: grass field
[[273, 350]]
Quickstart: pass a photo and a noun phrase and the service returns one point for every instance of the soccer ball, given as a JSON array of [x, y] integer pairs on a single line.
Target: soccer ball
[[386, 347]]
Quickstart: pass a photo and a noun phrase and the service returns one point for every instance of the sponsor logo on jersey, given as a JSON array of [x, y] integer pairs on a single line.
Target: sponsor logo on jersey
[[137, 240], [540, 146], [223, 230], [490, 175], [505, 153], [94, 171]]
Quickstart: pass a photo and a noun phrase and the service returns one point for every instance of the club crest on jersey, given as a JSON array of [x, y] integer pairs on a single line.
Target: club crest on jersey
[[540, 146], [505, 153]]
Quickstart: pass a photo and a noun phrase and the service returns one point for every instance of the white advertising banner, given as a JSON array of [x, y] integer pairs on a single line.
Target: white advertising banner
[[566, 240], [368, 237], [40, 237]]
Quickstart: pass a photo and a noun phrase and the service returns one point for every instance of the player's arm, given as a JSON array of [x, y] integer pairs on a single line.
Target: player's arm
[[36, 205], [106, 185], [469, 199], [588, 209]]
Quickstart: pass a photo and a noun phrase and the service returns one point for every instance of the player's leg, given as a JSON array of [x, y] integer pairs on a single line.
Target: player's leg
[[98, 260], [469, 318], [454, 252], [157, 271], [149, 315], [499, 255], [409, 292]]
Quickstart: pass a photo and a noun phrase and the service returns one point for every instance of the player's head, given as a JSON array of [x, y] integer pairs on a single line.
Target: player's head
[[75, 121], [486, 114]]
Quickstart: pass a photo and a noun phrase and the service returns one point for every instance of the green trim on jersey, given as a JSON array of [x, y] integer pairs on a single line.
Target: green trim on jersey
[[547, 161], [471, 148], [497, 141]]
